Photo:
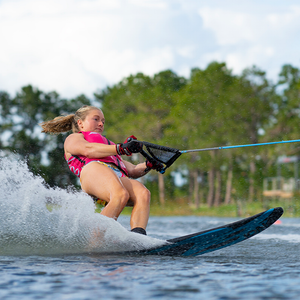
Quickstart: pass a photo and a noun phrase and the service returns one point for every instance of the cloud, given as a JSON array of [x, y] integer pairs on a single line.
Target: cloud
[[247, 36], [80, 46], [234, 26]]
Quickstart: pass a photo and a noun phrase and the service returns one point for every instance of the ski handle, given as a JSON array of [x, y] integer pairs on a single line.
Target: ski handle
[[147, 156]]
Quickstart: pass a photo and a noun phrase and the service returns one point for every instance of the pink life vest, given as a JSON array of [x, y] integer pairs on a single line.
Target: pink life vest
[[76, 162]]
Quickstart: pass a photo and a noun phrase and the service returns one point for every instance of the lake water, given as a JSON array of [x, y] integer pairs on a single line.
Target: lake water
[[59, 253]]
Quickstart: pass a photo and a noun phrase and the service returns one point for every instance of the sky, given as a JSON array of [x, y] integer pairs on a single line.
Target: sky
[[78, 47]]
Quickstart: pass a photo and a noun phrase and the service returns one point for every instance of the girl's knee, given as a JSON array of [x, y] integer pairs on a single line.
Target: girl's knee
[[121, 196], [144, 195], [147, 193]]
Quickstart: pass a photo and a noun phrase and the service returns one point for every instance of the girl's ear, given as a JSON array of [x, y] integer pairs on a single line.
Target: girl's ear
[[79, 123]]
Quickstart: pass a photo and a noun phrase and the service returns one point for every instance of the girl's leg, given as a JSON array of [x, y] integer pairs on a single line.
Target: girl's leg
[[140, 196], [100, 181]]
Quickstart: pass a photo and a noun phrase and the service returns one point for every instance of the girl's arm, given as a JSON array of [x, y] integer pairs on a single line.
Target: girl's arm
[[75, 144], [136, 171]]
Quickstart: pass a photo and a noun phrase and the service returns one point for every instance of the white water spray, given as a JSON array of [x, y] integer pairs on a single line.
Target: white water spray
[[36, 220]]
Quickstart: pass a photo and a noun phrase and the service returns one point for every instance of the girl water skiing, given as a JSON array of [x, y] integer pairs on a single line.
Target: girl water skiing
[[98, 163]]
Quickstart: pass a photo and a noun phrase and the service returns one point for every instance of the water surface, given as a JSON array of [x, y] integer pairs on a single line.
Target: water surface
[[263, 267], [59, 253]]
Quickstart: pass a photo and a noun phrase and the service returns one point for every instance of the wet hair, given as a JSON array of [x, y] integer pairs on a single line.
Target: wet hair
[[66, 123]]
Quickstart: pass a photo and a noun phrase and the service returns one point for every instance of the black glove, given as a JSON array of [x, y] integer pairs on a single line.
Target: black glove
[[154, 165], [129, 146]]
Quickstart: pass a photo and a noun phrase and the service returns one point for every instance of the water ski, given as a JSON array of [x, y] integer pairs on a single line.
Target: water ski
[[216, 238]]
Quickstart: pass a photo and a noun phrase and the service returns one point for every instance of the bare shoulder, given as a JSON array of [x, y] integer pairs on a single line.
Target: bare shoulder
[[73, 137], [73, 143]]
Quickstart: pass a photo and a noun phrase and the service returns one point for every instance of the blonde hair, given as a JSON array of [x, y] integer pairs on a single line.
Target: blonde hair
[[66, 123]]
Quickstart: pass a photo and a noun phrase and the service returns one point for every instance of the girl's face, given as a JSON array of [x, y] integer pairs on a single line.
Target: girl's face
[[94, 121]]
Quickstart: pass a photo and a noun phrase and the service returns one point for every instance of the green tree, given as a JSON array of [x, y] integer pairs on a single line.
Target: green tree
[[287, 109], [285, 120], [5, 117], [140, 105], [199, 121], [252, 110], [44, 153]]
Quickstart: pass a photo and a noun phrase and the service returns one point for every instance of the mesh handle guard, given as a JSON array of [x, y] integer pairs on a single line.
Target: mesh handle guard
[[163, 154]]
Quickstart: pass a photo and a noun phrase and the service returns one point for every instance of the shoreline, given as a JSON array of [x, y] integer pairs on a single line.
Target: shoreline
[[239, 210]]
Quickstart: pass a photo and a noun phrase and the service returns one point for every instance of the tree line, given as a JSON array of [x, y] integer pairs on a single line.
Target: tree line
[[211, 108]]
